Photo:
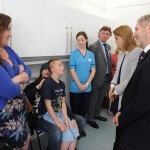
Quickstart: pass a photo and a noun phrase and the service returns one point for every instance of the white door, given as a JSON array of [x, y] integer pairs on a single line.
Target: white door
[[26, 26]]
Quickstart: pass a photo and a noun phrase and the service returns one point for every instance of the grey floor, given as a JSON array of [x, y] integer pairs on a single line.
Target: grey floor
[[96, 139]]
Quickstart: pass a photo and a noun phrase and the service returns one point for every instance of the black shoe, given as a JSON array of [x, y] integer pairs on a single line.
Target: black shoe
[[83, 133], [79, 137], [93, 124], [100, 118]]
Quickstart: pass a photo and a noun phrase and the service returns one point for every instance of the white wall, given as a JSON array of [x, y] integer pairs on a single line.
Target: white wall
[[1, 5], [98, 3], [56, 17], [89, 6], [26, 26], [95, 7], [128, 14], [126, 3], [121, 12], [37, 29]]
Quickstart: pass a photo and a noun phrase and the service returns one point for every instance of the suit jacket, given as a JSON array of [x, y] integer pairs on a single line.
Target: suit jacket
[[128, 67], [134, 121], [101, 64]]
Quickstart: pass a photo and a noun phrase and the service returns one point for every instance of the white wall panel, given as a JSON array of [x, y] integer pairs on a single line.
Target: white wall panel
[[26, 26], [55, 19]]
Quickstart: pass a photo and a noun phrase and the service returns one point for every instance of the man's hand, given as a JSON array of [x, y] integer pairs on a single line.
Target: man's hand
[[115, 119]]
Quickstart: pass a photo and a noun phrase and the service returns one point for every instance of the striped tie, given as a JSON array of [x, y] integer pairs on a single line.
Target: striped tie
[[108, 59]]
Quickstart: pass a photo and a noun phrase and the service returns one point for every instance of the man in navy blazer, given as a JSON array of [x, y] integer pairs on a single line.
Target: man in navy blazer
[[133, 119], [102, 78]]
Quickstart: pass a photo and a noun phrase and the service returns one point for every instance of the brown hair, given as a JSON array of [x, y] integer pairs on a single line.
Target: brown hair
[[5, 20], [117, 50], [106, 28], [85, 36], [126, 33]]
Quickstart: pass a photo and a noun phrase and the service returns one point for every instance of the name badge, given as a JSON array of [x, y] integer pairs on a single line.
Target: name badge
[[90, 59]]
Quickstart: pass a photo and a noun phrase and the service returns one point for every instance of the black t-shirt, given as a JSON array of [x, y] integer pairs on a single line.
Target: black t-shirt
[[53, 91], [33, 94]]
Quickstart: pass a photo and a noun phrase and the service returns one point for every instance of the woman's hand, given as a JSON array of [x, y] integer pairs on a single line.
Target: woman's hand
[[21, 68], [22, 77], [82, 87], [86, 85], [111, 94], [22, 86], [40, 84]]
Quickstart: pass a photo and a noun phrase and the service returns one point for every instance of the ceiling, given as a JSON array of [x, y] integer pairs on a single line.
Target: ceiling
[[114, 4]]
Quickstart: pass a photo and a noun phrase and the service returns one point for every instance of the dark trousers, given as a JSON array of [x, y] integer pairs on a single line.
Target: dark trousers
[[80, 121], [79, 102], [55, 134], [117, 138], [96, 99]]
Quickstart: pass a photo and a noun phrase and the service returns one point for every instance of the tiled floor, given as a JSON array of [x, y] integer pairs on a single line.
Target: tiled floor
[[96, 139]]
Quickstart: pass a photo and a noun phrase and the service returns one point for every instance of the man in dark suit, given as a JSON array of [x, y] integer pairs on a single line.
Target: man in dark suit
[[101, 80], [133, 119]]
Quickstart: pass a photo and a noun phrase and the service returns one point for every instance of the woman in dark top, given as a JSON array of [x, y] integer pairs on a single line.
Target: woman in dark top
[[33, 90]]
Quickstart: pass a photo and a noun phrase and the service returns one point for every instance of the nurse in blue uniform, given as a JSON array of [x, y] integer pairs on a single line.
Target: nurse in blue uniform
[[82, 69]]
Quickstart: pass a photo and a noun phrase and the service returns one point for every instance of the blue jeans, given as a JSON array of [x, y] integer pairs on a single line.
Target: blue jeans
[[69, 134], [55, 134], [80, 121]]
